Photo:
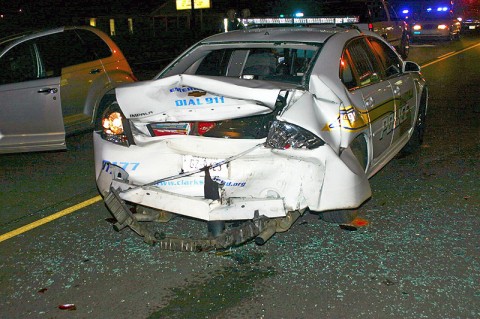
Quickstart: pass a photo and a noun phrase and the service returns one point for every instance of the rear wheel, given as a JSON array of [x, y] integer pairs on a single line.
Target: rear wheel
[[360, 150], [419, 131], [344, 216]]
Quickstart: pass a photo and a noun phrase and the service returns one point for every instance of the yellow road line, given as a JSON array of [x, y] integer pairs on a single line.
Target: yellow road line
[[48, 219], [449, 55]]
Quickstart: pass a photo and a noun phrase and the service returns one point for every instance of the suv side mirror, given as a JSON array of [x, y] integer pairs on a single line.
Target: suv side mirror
[[409, 66]]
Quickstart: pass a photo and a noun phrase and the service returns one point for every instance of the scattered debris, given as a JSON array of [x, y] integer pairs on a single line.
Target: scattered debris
[[355, 224], [43, 290], [348, 227], [67, 306], [388, 282], [360, 222]]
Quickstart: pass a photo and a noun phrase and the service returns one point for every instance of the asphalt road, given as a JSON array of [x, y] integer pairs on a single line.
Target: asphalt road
[[418, 257]]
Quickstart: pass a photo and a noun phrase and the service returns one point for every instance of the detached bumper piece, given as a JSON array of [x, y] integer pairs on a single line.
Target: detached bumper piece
[[260, 228], [125, 217], [231, 237]]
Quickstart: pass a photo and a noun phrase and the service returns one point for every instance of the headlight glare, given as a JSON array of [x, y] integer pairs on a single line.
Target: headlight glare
[[284, 135]]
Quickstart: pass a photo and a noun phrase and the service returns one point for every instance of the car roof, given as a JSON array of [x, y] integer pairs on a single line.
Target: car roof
[[318, 34], [30, 34], [20, 37]]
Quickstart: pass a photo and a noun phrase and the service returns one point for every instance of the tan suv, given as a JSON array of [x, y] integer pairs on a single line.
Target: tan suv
[[375, 15], [51, 84]]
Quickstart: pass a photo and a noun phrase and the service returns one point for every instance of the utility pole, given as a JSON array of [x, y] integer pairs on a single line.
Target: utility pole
[[193, 24]]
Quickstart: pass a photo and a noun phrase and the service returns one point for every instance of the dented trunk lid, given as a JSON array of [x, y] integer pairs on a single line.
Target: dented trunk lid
[[198, 98]]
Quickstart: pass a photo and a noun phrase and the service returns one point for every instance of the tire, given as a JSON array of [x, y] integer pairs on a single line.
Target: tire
[[419, 131], [344, 216]]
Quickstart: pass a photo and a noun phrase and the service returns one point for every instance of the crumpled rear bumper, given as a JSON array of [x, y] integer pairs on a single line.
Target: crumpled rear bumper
[[264, 182], [115, 177]]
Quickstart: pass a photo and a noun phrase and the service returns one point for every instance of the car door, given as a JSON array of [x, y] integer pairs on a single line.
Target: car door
[[396, 28], [372, 96], [79, 68], [403, 90], [30, 108]]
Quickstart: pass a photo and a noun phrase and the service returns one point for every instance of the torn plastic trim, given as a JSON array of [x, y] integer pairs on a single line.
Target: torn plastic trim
[[125, 218], [259, 228], [201, 208]]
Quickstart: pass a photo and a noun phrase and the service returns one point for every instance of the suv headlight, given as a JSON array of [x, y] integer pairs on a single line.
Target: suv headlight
[[114, 127], [284, 135]]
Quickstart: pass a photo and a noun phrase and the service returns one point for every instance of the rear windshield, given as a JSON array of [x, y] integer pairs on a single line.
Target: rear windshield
[[432, 16], [271, 62]]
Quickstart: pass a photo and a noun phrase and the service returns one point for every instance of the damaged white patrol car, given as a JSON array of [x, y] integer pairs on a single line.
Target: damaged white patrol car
[[253, 128]]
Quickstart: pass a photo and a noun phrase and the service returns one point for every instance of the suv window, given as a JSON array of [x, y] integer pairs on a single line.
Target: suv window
[[378, 11], [392, 13], [94, 43], [19, 64], [63, 49]]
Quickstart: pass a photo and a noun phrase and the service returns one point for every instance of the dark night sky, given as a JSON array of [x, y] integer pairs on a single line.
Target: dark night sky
[[77, 6], [86, 7]]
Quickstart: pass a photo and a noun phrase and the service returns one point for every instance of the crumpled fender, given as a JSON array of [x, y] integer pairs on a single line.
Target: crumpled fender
[[316, 113]]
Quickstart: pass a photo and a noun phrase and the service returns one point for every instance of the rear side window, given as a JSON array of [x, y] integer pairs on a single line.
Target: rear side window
[[363, 63], [390, 62]]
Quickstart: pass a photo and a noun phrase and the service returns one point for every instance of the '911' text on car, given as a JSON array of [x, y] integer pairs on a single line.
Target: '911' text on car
[[255, 128]]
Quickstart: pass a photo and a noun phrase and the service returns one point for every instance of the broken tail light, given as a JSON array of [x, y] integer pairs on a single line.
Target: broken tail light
[[181, 128], [114, 127], [164, 129], [252, 127], [204, 127], [284, 135]]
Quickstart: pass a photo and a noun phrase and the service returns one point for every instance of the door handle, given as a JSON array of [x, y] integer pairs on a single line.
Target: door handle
[[95, 71], [396, 90], [48, 90]]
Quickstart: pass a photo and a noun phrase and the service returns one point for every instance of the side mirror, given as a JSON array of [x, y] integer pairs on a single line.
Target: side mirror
[[409, 66]]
